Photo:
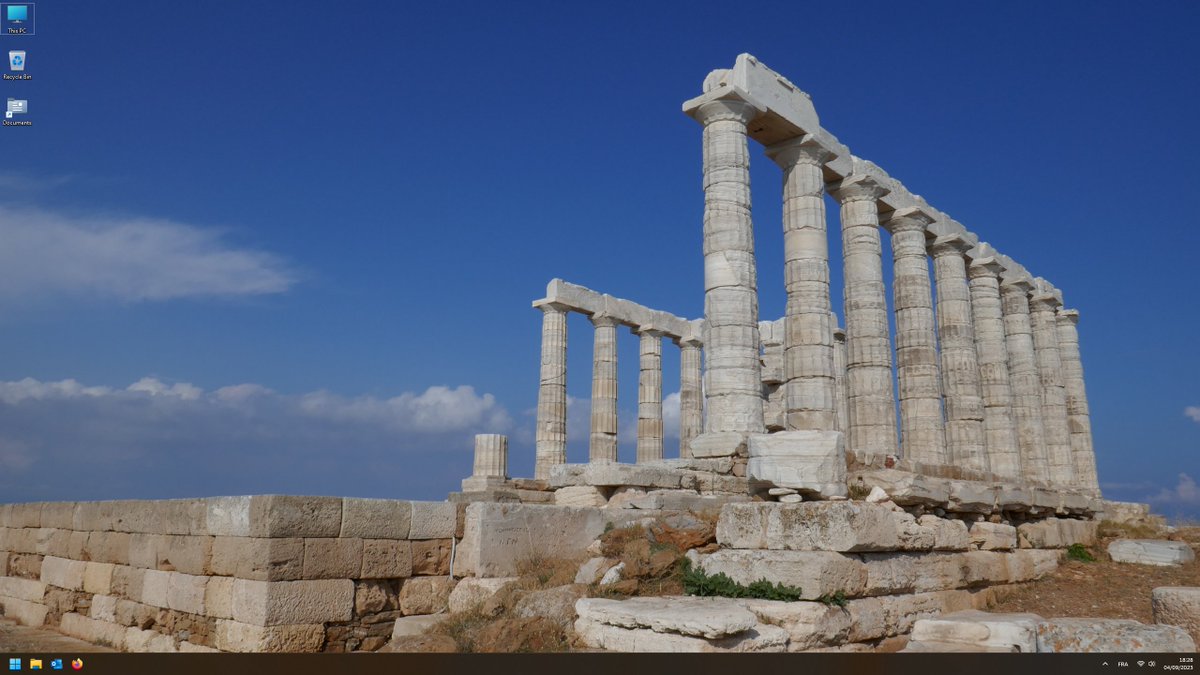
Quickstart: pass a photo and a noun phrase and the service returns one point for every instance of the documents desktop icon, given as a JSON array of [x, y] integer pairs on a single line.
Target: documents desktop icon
[[16, 60], [16, 106]]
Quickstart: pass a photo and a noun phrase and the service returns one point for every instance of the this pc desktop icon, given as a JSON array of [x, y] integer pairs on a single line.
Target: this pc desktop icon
[[17, 13], [16, 60]]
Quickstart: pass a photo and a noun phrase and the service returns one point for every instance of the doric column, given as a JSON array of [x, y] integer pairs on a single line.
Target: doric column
[[1000, 432], [841, 408], [1078, 417], [491, 456], [960, 365], [603, 446], [650, 418], [808, 333], [869, 388], [691, 399], [1023, 376], [922, 431], [1042, 307], [551, 434], [733, 374]]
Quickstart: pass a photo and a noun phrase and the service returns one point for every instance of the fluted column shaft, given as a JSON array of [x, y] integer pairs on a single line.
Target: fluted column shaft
[[691, 399], [733, 376], [869, 389], [551, 435], [960, 365], [808, 330], [1000, 432], [922, 431], [1079, 419], [603, 447], [491, 456], [841, 408], [1042, 308], [650, 417], [1023, 377]]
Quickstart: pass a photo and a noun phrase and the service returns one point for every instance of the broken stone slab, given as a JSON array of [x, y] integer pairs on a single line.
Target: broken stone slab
[[812, 462], [1158, 552], [987, 536], [909, 489], [612, 575], [614, 475], [948, 534], [762, 638], [971, 497], [580, 495], [1009, 632], [842, 526], [471, 592], [718, 444], [707, 464], [1110, 635], [684, 615], [1178, 606], [877, 495], [593, 569], [817, 573], [418, 624], [934, 647]]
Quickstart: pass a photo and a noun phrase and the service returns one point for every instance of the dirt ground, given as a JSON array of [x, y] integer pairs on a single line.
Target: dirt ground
[[16, 639], [1102, 589]]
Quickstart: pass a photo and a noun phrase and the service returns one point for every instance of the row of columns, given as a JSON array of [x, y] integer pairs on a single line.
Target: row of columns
[[551, 434], [983, 367]]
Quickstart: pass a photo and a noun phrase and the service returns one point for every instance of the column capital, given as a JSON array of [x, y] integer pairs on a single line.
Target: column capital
[[839, 332], [1068, 315], [949, 244], [648, 330], [600, 319], [799, 150], [857, 188], [1048, 301], [1024, 284], [732, 109], [693, 342], [985, 267], [908, 219], [551, 306]]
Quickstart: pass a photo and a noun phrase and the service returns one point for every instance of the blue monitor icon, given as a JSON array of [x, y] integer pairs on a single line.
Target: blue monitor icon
[[18, 12]]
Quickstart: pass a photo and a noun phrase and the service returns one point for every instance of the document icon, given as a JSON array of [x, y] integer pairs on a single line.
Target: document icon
[[16, 106]]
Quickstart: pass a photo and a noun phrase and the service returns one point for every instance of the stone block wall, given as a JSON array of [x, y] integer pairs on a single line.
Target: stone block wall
[[234, 574]]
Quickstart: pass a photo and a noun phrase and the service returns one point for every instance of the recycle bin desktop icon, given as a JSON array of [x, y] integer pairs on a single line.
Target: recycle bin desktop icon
[[16, 60]]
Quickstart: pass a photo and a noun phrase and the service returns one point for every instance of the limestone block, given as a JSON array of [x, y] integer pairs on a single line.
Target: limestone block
[[892, 573], [948, 534], [471, 592], [843, 526], [623, 497], [185, 592], [376, 518], [580, 495], [1013, 497], [1031, 564], [109, 547], [1041, 534], [498, 538], [808, 461], [593, 569], [218, 597], [6, 515], [24, 612], [596, 635], [554, 604], [1110, 635], [143, 551], [130, 613], [257, 558], [28, 514], [22, 589], [142, 641], [909, 489], [156, 586], [333, 558], [97, 578], [431, 557], [924, 647], [386, 559], [59, 515], [817, 573], [985, 568], [809, 625], [93, 631], [1073, 531], [190, 648], [63, 573], [719, 444], [237, 637], [972, 496], [406, 626], [699, 617], [278, 603], [274, 516], [1145, 552], [184, 553], [433, 520], [615, 475], [127, 582], [426, 595], [1178, 606], [613, 575], [104, 608], [51, 541], [993, 536], [981, 629]]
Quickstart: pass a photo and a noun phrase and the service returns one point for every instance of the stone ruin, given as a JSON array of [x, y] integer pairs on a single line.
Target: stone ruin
[[788, 432]]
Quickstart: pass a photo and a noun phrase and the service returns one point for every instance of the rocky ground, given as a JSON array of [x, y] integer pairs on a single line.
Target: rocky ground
[[15, 639]]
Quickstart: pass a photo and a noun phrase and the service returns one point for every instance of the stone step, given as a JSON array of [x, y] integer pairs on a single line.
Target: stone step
[[1157, 552], [1110, 635]]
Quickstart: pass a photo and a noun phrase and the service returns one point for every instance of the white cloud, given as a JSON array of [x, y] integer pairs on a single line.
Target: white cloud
[[1192, 411], [1185, 492], [127, 259]]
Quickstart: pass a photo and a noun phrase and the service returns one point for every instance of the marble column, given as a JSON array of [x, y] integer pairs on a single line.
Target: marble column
[[1023, 376], [841, 409], [691, 398], [808, 331], [1000, 432], [551, 434], [733, 373], [960, 365], [1042, 307], [491, 456], [650, 417], [922, 431], [869, 390], [603, 447], [1079, 419]]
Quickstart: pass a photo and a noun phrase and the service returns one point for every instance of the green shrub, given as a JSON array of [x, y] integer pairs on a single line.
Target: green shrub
[[858, 491], [697, 582], [837, 598], [1079, 552]]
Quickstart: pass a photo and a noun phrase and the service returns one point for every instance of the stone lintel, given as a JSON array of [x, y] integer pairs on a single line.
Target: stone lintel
[[627, 313]]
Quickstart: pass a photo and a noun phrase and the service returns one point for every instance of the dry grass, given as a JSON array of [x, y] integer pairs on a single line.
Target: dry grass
[[1114, 530]]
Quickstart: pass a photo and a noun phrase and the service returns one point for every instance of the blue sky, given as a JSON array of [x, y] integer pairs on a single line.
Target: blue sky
[[290, 247]]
